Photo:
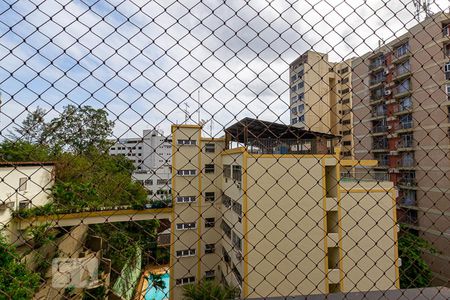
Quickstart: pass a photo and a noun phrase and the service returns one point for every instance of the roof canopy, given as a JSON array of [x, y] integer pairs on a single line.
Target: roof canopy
[[249, 128]]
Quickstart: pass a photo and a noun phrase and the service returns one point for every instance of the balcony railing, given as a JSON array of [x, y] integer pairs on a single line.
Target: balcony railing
[[405, 144], [368, 175], [407, 181], [406, 163], [405, 125], [402, 108], [378, 113], [380, 146], [379, 129], [383, 162]]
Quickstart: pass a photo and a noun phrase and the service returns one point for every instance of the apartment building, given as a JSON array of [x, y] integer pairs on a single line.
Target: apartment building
[[152, 158], [274, 218], [321, 98], [401, 119], [151, 152], [22, 185]]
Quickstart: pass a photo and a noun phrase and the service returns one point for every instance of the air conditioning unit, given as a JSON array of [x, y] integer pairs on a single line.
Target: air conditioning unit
[[387, 92], [386, 71], [239, 185]]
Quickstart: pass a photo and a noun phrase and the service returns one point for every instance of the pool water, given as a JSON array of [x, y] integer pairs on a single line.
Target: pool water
[[155, 293]]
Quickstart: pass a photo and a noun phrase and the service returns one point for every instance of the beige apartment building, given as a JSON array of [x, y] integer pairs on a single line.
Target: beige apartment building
[[401, 118], [321, 98], [272, 216]]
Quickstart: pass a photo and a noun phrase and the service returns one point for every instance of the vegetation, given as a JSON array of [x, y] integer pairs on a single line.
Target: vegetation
[[123, 238], [209, 289], [16, 281], [24, 151], [414, 272], [157, 281], [42, 234]]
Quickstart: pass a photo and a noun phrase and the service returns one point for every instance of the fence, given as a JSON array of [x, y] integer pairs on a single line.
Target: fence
[[249, 149]]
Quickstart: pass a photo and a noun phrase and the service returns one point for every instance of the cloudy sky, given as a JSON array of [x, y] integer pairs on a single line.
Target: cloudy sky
[[143, 61]]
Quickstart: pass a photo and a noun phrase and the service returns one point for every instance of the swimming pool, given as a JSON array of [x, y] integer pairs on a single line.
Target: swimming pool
[[155, 293]]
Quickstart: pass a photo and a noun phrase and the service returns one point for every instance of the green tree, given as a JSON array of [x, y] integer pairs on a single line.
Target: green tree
[[209, 289], [32, 128], [414, 272], [24, 151], [79, 129], [16, 281]]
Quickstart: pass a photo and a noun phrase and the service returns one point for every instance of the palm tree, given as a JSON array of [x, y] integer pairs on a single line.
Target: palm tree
[[209, 289], [156, 281]]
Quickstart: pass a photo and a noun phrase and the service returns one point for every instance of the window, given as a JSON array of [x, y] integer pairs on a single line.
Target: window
[[301, 96], [226, 229], [24, 204], [301, 84], [162, 181], [237, 208], [210, 148], [210, 222], [344, 70], [345, 91], [210, 248], [446, 29], [294, 110], [184, 226], [210, 196], [294, 77], [185, 280], [405, 104], [185, 253], [346, 122], [346, 132], [226, 201], [447, 50], [237, 242], [23, 182], [406, 121], [404, 86], [237, 173], [345, 101], [237, 275], [209, 168], [402, 50], [187, 142], [227, 171], [186, 172], [226, 257], [149, 192], [294, 121], [294, 88], [301, 118], [300, 73], [186, 199], [406, 141], [447, 71], [112, 148], [403, 68], [209, 275], [301, 107], [347, 143], [345, 80]]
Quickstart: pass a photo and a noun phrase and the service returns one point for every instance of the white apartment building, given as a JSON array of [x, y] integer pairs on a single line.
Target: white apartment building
[[22, 185], [152, 157], [151, 152]]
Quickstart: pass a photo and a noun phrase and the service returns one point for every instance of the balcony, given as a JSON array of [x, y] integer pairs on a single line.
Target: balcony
[[407, 182], [401, 56], [382, 163], [403, 73], [406, 163], [380, 129], [400, 92], [374, 83], [380, 147], [402, 109], [405, 145], [378, 113], [405, 126]]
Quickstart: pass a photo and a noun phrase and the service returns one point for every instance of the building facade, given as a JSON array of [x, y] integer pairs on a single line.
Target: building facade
[[152, 158], [151, 152], [274, 219], [321, 98], [401, 119], [23, 185]]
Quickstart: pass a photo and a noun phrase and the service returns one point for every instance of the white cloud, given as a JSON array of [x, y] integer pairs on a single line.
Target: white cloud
[[143, 59]]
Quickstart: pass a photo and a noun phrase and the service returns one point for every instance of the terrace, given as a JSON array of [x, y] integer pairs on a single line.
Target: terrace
[[262, 137]]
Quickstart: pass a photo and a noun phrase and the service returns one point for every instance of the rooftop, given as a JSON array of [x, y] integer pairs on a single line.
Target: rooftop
[[274, 138]]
